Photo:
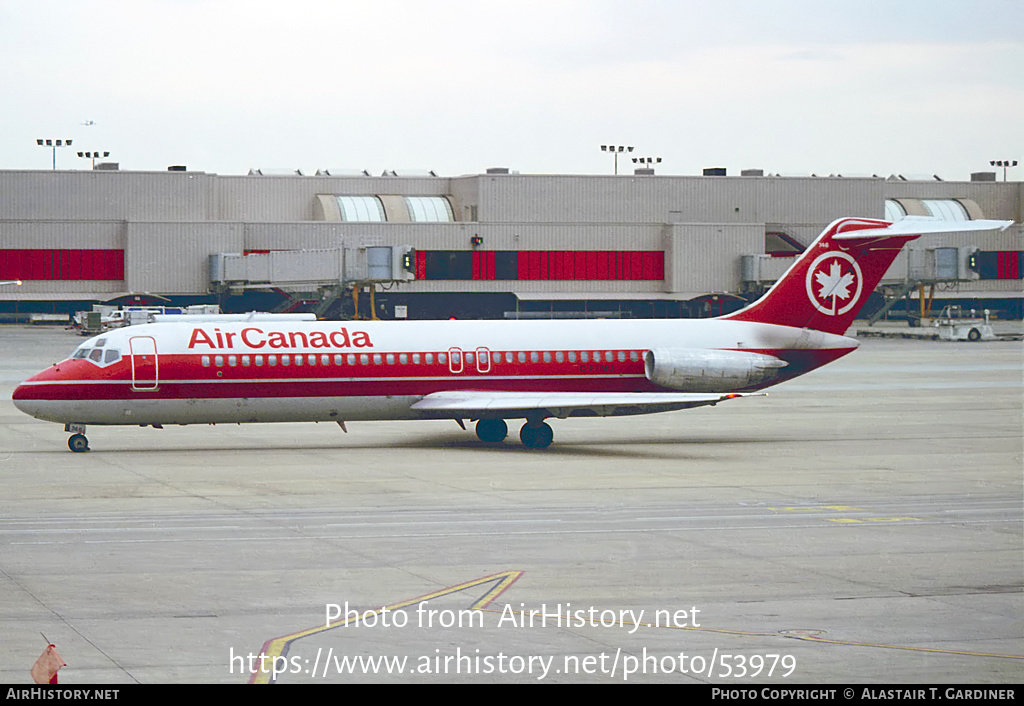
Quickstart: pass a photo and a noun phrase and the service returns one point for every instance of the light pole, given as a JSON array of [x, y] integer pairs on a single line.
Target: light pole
[[93, 156], [1004, 163], [54, 144], [647, 162], [615, 149]]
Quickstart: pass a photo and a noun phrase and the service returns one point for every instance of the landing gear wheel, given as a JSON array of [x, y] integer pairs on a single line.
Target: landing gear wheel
[[536, 437], [78, 443], [974, 335], [491, 430]]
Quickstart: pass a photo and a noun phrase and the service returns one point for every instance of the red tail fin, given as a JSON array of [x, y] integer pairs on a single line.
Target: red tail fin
[[829, 283]]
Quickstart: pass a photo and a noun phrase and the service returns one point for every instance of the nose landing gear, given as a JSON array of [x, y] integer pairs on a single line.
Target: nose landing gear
[[78, 443]]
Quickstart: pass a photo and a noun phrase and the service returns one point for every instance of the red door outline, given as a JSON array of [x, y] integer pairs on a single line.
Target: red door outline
[[145, 366]]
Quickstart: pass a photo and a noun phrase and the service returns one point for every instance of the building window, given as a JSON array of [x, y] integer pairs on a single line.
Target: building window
[[429, 209], [894, 210], [361, 209], [946, 209]]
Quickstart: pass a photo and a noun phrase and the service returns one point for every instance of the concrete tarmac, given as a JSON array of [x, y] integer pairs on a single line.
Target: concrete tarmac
[[860, 524]]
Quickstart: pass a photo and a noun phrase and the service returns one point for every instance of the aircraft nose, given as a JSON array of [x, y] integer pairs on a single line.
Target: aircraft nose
[[22, 399], [26, 396]]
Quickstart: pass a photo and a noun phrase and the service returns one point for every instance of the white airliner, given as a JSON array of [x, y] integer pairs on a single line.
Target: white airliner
[[488, 371]]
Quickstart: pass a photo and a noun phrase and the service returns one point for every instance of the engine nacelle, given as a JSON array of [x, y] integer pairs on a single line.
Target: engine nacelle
[[708, 370]]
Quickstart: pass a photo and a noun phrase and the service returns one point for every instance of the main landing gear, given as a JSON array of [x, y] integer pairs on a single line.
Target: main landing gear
[[535, 434]]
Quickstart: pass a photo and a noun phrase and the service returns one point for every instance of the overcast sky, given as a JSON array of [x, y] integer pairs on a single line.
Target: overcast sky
[[789, 86]]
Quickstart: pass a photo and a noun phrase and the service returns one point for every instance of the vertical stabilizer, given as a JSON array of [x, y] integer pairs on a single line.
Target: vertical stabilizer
[[827, 286]]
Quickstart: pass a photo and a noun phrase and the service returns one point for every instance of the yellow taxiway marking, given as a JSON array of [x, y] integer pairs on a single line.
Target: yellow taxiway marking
[[279, 646]]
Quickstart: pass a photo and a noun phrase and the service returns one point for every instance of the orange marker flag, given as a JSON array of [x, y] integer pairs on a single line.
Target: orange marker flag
[[44, 671]]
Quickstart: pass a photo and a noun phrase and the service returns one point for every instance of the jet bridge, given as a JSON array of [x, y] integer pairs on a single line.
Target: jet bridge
[[328, 272]]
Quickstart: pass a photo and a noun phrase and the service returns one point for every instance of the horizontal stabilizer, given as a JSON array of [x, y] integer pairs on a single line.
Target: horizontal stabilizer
[[922, 225]]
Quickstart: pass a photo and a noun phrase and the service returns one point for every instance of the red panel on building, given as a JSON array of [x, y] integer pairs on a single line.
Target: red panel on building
[[659, 265]]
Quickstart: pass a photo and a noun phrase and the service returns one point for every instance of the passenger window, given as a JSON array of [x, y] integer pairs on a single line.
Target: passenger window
[[364, 359], [429, 358], [521, 357], [496, 357], [311, 359], [206, 361], [633, 356], [534, 357], [442, 358], [245, 361], [403, 358], [351, 358], [572, 356], [376, 359], [272, 360], [337, 359], [469, 358], [286, 360], [232, 360], [508, 357], [390, 357], [259, 361], [622, 356], [219, 361], [559, 357], [415, 358], [584, 357], [298, 360]]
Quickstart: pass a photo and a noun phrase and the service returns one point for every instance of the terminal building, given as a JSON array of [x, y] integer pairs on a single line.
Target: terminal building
[[493, 245]]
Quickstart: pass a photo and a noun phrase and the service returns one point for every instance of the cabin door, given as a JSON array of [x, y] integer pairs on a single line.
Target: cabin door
[[145, 367]]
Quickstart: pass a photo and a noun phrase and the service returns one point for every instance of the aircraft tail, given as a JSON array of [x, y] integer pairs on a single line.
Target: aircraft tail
[[827, 285]]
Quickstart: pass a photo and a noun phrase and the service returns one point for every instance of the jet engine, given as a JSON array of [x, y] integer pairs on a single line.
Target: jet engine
[[709, 370]]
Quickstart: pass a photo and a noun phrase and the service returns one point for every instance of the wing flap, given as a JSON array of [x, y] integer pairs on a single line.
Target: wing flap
[[477, 404]]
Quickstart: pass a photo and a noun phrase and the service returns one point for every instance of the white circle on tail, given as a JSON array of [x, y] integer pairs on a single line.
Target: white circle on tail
[[834, 283]]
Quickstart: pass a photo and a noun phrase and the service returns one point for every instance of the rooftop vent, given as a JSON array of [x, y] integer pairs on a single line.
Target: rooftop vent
[[341, 171], [751, 172], [983, 176], [497, 170], [177, 168], [409, 173], [275, 172], [714, 171]]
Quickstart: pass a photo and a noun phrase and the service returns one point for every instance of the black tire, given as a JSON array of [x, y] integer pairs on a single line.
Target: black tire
[[538, 437], [974, 335], [78, 443], [492, 431]]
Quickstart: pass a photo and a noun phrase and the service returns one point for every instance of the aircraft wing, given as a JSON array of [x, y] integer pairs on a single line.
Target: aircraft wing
[[472, 404]]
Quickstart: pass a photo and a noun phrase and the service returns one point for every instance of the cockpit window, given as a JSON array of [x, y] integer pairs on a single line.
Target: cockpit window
[[93, 351]]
